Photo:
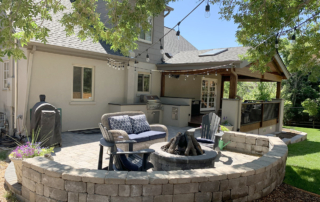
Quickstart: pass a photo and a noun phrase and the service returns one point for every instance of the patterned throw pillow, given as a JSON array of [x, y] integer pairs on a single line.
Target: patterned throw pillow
[[139, 123], [121, 123]]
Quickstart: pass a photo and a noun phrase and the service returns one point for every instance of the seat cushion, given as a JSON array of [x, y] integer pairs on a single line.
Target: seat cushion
[[139, 123], [129, 166], [138, 137], [202, 140], [148, 135], [120, 123], [153, 135]]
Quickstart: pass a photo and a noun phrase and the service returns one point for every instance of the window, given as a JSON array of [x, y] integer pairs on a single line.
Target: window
[[143, 82], [147, 35], [82, 83], [5, 74]]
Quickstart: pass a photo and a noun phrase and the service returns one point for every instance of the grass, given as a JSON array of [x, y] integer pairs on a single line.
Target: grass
[[3, 155], [303, 163]]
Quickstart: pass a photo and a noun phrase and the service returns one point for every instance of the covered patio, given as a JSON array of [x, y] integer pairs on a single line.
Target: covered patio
[[202, 77]]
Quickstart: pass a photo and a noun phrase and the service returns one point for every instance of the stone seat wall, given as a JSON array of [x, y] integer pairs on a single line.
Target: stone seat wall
[[49, 181], [246, 143]]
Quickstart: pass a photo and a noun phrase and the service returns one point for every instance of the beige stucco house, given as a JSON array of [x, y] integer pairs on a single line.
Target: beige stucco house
[[78, 78]]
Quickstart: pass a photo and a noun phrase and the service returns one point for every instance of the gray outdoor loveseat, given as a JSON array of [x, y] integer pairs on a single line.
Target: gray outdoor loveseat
[[158, 132]]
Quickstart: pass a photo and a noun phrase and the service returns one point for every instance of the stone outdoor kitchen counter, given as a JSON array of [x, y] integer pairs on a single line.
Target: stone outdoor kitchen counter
[[49, 181]]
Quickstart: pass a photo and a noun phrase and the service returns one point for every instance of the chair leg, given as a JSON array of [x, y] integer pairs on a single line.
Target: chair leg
[[110, 162], [144, 161], [100, 158]]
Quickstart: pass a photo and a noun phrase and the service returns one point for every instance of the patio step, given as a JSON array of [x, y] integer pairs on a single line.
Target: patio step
[[193, 124]]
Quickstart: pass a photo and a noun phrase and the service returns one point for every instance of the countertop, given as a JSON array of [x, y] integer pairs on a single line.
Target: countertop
[[126, 104]]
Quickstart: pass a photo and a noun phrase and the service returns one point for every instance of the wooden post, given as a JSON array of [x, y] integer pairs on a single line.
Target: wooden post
[[221, 91], [233, 85], [163, 84], [278, 95]]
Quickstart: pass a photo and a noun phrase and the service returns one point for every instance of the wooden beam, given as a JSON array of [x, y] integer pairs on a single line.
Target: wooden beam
[[266, 76], [250, 127], [269, 123], [278, 94], [163, 84], [233, 85], [221, 91]]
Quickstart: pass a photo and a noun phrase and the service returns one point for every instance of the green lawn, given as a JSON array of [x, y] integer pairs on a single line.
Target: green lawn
[[303, 163]]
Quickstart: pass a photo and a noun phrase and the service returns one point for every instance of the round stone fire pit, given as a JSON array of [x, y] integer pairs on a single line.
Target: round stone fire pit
[[162, 160]]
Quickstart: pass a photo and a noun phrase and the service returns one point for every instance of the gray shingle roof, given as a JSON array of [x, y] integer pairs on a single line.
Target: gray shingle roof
[[232, 54], [57, 35], [173, 45]]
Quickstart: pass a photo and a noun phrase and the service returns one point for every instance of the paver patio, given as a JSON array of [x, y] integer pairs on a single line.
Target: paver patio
[[82, 151]]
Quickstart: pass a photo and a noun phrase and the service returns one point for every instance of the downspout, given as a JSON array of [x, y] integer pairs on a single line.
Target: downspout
[[15, 63], [239, 104], [29, 76]]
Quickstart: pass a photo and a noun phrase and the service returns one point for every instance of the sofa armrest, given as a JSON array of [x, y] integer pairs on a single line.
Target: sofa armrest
[[159, 127], [119, 135]]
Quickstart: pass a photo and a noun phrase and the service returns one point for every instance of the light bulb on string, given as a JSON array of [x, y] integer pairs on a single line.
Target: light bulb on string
[[147, 57], [194, 77], [208, 73], [207, 13], [136, 63], [187, 75], [293, 38], [185, 78], [216, 74], [119, 67], [178, 32], [277, 42], [169, 76], [161, 48], [203, 77], [122, 66], [128, 66], [227, 69]]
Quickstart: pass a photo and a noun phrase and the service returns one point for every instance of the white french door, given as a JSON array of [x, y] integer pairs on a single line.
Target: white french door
[[208, 94]]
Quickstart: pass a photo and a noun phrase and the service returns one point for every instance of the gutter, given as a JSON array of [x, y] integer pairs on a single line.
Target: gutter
[[169, 9], [29, 76]]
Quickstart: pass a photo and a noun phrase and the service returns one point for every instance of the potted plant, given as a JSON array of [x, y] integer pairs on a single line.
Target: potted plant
[[227, 124], [28, 150]]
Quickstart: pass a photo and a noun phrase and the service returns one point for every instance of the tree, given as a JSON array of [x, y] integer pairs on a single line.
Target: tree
[[310, 107], [22, 20], [258, 21]]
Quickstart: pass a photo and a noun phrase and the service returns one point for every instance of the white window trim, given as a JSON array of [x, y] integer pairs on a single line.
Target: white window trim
[[146, 41], [93, 82], [144, 92], [4, 72]]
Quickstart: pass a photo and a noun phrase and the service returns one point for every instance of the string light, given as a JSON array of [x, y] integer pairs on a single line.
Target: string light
[[178, 32], [216, 73], [185, 78], [148, 59], [227, 69], [136, 63], [293, 38], [169, 76], [207, 13], [187, 75], [208, 73], [122, 66], [119, 67], [194, 77], [161, 48], [277, 42]]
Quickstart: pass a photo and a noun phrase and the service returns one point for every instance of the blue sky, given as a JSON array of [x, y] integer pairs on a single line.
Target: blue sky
[[203, 33]]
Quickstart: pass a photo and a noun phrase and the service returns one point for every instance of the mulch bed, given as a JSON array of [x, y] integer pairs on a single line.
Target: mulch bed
[[289, 193], [288, 133]]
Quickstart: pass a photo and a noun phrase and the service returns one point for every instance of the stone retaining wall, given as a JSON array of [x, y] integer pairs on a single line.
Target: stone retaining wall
[[49, 181], [246, 143]]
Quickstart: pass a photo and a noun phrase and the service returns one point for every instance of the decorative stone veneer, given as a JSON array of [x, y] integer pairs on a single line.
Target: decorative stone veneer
[[49, 181]]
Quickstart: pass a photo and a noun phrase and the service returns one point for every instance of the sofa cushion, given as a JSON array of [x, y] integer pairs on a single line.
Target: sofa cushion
[[147, 136], [138, 137], [139, 123], [129, 166], [153, 135], [120, 123]]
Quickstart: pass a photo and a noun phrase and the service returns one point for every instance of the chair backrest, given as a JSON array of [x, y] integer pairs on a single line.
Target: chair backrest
[[105, 117], [210, 125], [109, 138]]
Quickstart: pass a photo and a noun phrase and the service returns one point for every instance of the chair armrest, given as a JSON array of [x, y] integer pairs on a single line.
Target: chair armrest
[[119, 135], [159, 127], [193, 130], [125, 142], [144, 151]]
